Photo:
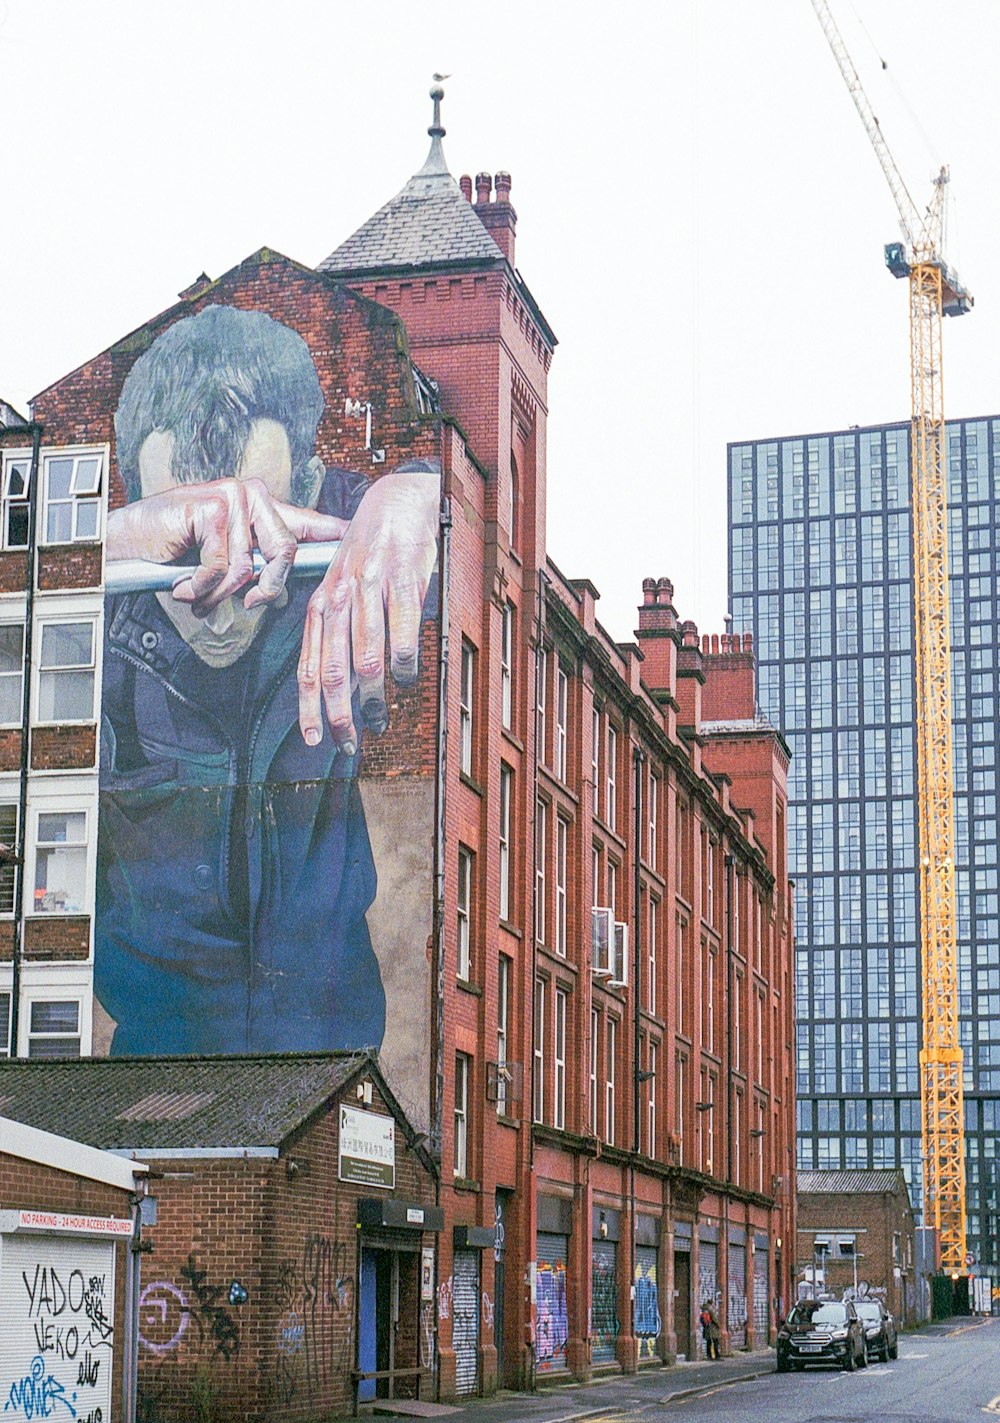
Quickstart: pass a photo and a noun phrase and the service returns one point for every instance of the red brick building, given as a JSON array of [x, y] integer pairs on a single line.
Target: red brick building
[[584, 921]]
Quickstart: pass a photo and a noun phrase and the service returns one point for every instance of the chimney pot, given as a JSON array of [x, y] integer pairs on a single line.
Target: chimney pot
[[648, 591], [502, 185], [465, 183], [748, 642], [690, 633], [483, 185]]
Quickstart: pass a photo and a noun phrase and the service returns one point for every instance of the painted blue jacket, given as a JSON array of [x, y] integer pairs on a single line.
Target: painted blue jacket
[[234, 865]]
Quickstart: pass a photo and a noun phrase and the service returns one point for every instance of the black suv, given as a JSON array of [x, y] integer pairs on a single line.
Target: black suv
[[880, 1329], [821, 1332]]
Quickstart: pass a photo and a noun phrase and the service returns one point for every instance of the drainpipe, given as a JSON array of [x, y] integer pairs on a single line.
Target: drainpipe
[[638, 760], [439, 836], [34, 504]]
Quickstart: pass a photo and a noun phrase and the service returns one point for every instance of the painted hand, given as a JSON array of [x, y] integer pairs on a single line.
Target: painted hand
[[381, 572], [225, 520]]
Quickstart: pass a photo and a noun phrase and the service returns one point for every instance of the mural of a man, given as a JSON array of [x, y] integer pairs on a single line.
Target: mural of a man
[[234, 865]]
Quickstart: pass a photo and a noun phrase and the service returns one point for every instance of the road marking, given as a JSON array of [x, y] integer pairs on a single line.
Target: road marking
[[993, 1406], [914, 1356]]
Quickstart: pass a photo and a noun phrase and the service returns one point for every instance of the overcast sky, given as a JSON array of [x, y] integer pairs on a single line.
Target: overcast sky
[[700, 214]]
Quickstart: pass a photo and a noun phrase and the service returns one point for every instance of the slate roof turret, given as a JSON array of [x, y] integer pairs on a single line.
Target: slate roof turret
[[429, 223]]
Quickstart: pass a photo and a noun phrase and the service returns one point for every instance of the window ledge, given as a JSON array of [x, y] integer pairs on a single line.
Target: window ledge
[[467, 986], [462, 1183], [512, 1122], [508, 735], [471, 782], [511, 929]]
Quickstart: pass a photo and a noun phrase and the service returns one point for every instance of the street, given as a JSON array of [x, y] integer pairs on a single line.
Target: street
[[945, 1373]]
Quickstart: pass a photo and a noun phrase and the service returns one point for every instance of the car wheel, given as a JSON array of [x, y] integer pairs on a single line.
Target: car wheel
[[850, 1361], [885, 1352], [783, 1365]]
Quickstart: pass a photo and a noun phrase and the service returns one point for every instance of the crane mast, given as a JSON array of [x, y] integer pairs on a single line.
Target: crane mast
[[934, 291]]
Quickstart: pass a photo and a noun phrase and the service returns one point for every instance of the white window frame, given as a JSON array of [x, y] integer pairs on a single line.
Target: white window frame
[[465, 707], [682, 1016], [463, 946], [654, 908], [503, 1011], [541, 868], [6, 995], [654, 798], [709, 880], [737, 1022], [506, 785], [66, 620], [709, 995], [562, 836], [736, 1137], [12, 461], [652, 1068], [506, 665], [541, 697], [562, 713], [595, 759], [610, 1062], [611, 802], [63, 805], [76, 497], [559, 1006], [460, 1155], [595, 1029], [759, 1010], [538, 1104], [52, 994], [8, 872], [17, 675], [681, 1063]]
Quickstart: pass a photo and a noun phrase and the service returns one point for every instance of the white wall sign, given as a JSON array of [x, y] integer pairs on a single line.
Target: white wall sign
[[367, 1148], [60, 1223], [57, 1302]]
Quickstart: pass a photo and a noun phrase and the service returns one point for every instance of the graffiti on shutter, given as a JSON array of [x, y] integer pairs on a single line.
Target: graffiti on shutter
[[708, 1288], [465, 1320], [760, 1297], [551, 1315], [647, 1301], [604, 1301], [737, 1302]]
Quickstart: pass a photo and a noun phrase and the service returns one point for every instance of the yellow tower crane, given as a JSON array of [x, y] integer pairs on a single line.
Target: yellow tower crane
[[934, 291]]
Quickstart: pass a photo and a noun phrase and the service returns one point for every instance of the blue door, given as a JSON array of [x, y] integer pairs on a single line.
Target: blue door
[[367, 1325]]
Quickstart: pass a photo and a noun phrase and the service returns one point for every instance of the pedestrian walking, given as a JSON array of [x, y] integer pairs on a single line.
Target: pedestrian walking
[[711, 1331]]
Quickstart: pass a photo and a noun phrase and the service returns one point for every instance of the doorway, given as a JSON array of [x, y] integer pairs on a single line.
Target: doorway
[[682, 1302], [378, 1317]]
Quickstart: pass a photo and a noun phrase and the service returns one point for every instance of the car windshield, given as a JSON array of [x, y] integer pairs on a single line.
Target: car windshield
[[812, 1313], [868, 1311]]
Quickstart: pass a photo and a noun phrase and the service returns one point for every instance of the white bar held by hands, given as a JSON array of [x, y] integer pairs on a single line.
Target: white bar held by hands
[[137, 575]]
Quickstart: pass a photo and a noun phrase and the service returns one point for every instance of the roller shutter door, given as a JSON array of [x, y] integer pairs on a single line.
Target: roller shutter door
[[604, 1301], [57, 1303], [761, 1293], [465, 1320], [737, 1302], [551, 1314], [647, 1301], [708, 1284]]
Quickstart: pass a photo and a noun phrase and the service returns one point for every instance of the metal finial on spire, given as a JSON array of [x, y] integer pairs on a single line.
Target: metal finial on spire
[[437, 94]]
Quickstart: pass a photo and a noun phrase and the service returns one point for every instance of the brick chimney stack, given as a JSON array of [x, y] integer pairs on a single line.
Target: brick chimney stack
[[657, 635], [730, 683], [498, 217]]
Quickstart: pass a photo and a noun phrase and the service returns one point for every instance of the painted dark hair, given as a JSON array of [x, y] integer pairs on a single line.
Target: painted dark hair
[[205, 380]]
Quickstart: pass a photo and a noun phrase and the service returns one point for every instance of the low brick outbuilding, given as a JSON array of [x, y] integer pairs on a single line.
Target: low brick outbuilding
[[855, 1236], [294, 1240]]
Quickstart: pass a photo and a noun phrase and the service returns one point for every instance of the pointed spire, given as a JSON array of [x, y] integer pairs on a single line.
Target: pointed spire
[[435, 160]]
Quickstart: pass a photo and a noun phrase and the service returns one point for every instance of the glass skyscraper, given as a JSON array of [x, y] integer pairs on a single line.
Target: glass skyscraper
[[820, 572]]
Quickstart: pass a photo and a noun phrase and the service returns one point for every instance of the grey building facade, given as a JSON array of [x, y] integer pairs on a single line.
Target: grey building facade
[[820, 572]]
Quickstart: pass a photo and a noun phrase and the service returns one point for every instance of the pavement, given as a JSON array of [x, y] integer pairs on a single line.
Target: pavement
[[615, 1393]]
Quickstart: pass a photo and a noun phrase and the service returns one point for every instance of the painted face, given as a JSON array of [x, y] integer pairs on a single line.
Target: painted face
[[221, 638]]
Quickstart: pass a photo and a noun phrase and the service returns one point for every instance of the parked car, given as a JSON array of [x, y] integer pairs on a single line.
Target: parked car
[[880, 1329], [822, 1332]]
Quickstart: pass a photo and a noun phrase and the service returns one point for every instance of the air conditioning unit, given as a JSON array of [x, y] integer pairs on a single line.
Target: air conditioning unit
[[619, 975], [602, 942]]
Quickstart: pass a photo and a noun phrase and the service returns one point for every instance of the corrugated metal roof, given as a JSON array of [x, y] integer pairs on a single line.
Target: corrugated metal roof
[[175, 1103], [428, 223], [814, 1183]]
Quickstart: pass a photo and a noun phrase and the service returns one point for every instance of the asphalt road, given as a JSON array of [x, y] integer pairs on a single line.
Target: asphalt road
[[945, 1373]]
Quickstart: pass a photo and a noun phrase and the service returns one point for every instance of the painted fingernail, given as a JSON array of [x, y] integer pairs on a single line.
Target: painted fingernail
[[376, 715], [313, 736]]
